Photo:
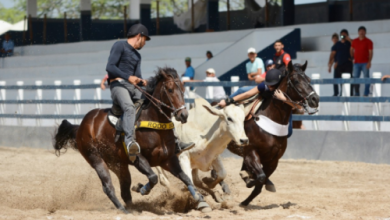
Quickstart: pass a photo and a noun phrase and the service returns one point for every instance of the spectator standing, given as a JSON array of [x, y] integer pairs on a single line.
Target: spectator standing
[[8, 46], [218, 91], [281, 58], [209, 55], [335, 39], [341, 56], [190, 72], [362, 53]]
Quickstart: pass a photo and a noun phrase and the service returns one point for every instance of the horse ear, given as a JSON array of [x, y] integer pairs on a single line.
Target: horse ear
[[304, 66], [214, 111], [290, 67]]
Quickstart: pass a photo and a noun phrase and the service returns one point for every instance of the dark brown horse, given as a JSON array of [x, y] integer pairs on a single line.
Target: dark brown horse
[[94, 138], [262, 155]]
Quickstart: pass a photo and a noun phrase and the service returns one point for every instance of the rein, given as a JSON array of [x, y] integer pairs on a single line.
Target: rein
[[301, 103], [158, 103]]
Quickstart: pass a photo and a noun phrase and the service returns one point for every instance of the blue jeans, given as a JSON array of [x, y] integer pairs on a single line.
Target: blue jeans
[[357, 69], [241, 90]]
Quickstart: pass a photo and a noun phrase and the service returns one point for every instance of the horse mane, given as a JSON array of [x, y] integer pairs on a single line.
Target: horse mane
[[153, 81]]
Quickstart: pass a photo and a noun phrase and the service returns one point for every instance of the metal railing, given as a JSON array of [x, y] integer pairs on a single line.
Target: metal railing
[[97, 100]]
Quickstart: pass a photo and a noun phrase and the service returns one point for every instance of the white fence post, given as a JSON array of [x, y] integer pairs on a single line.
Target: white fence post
[[234, 79], [346, 93], [3, 98], [58, 96], [317, 89], [209, 89], [39, 106], [77, 96], [377, 92], [20, 97], [98, 92], [186, 91]]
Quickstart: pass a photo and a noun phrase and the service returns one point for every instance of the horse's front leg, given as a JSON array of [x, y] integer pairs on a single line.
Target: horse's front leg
[[173, 166], [143, 166]]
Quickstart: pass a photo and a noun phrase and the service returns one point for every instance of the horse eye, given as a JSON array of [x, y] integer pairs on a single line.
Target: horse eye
[[230, 119]]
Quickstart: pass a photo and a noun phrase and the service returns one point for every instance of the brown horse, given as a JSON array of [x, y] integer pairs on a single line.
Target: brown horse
[[94, 138], [262, 155]]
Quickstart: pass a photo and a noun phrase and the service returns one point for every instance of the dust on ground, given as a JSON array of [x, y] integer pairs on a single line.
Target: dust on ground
[[35, 184]]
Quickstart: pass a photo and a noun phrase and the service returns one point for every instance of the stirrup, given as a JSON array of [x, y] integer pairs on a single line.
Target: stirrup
[[133, 149]]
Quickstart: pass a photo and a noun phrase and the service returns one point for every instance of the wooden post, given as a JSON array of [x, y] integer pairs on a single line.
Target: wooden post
[[24, 31], [192, 16], [266, 13], [30, 29], [125, 22], [158, 17], [44, 29], [350, 10], [228, 14], [65, 29]]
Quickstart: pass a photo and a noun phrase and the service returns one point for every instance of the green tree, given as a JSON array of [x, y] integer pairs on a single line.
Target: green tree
[[10, 15]]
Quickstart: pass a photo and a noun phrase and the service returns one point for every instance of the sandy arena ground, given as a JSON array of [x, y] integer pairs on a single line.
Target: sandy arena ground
[[35, 184]]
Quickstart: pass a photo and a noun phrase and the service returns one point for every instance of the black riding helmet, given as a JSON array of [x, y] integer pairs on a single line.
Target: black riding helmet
[[138, 29], [273, 77]]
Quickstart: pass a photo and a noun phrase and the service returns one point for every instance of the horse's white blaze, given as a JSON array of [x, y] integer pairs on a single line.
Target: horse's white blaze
[[211, 130]]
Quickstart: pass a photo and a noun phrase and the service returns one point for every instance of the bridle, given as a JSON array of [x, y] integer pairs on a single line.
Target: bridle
[[303, 102], [158, 103]]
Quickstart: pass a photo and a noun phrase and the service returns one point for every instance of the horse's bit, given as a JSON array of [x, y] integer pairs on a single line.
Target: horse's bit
[[304, 102]]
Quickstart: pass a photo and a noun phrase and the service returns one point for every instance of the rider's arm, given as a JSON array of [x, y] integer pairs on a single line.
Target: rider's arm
[[246, 95], [115, 55]]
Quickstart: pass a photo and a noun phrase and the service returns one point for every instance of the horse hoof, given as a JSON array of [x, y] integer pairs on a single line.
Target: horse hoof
[[124, 210], [244, 204], [203, 207], [270, 188], [137, 188]]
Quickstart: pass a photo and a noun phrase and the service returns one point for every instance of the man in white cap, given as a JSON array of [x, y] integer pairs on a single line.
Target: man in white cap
[[254, 69], [218, 91], [255, 66]]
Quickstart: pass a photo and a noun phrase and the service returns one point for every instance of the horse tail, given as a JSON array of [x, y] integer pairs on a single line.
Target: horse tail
[[65, 136]]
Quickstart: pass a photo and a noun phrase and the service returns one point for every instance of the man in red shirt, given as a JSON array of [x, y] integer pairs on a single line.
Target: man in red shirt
[[281, 58], [361, 52]]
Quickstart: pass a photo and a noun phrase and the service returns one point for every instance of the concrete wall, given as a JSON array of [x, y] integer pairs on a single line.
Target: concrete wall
[[34, 137], [369, 147]]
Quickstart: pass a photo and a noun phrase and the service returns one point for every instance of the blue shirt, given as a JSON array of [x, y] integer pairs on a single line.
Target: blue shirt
[[124, 61], [8, 46], [190, 72], [342, 52], [252, 67]]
